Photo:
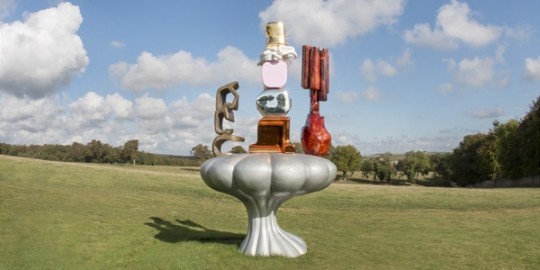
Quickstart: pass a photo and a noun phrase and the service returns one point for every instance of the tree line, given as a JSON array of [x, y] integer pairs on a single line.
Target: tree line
[[509, 150], [384, 167], [96, 152]]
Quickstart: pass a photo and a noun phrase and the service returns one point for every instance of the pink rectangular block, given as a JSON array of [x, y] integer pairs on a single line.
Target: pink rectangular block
[[274, 74]]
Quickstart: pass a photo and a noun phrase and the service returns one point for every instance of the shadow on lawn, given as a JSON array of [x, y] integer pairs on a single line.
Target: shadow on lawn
[[187, 230]]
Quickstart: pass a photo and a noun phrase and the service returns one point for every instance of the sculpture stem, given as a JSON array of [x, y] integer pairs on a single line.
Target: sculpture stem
[[265, 237]]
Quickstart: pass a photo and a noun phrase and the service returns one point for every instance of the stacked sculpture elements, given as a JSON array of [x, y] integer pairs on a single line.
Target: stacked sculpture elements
[[272, 172]]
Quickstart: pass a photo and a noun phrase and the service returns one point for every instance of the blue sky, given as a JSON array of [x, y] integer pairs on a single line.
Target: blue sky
[[405, 75]]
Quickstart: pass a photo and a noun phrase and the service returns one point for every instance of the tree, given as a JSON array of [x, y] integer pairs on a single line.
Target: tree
[[298, 147], [112, 154], [79, 153], [473, 160], [509, 158], [238, 150], [367, 167], [97, 151], [440, 164], [346, 158], [415, 163], [201, 152], [529, 137], [129, 151], [383, 168]]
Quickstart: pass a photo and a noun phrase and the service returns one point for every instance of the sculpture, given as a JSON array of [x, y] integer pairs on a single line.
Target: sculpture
[[272, 172]]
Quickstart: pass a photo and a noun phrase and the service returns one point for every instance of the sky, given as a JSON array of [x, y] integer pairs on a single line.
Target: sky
[[405, 75]]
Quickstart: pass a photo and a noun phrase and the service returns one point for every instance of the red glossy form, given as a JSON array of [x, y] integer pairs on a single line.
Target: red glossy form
[[316, 140]]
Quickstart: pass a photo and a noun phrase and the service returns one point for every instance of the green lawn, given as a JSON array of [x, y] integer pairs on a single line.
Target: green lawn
[[85, 216]]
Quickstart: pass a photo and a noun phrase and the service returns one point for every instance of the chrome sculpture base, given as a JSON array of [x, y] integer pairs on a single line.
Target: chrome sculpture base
[[263, 182]]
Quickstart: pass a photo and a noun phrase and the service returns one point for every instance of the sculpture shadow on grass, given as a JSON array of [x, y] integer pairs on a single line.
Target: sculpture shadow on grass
[[187, 230]]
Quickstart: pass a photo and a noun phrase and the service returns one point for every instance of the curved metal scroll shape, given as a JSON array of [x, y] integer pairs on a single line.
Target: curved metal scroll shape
[[224, 110]]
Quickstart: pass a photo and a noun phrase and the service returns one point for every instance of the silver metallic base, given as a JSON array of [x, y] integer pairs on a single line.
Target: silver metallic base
[[263, 182]]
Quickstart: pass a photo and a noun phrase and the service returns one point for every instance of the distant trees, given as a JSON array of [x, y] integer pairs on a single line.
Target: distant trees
[[383, 168], [238, 150], [298, 147], [510, 150], [201, 152], [130, 150], [414, 163], [95, 152], [528, 135], [346, 158], [468, 163]]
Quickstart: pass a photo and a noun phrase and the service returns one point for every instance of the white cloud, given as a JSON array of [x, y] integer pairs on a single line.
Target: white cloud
[[371, 69], [405, 60], [532, 68], [371, 94], [488, 113], [446, 88], [118, 44], [454, 24], [456, 21], [422, 35], [113, 119], [90, 107], [368, 70], [25, 69], [181, 68], [150, 108], [499, 53], [332, 22], [121, 107], [474, 72], [29, 120], [6, 6], [347, 97], [27, 113]]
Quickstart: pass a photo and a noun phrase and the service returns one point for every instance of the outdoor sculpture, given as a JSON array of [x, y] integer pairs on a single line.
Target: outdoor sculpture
[[272, 172]]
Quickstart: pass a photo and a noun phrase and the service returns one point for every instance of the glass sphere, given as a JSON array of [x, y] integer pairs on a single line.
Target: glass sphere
[[273, 102]]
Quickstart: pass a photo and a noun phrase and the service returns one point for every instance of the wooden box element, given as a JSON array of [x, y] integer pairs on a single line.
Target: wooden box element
[[273, 136]]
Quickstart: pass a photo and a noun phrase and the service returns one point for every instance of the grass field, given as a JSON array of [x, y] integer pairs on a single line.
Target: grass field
[[86, 216]]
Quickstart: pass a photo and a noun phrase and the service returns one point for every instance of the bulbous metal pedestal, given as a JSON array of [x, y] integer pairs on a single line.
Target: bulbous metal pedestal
[[263, 182]]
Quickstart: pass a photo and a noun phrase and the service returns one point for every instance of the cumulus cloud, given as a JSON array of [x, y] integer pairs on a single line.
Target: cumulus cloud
[[422, 35], [93, 108], [474, 72], [332, 22], [499, 53], [446, 88], [455, 24], [150, 108], [27, 114], [181, 68], [532, 68], [371, 69], [161, 127], [41, 53], [118, 44], [6, 6], [487, 113], [371, 94], [347, 97]]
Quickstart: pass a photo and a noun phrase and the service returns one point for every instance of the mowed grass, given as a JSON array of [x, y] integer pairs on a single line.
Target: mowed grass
[[84, 216]]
